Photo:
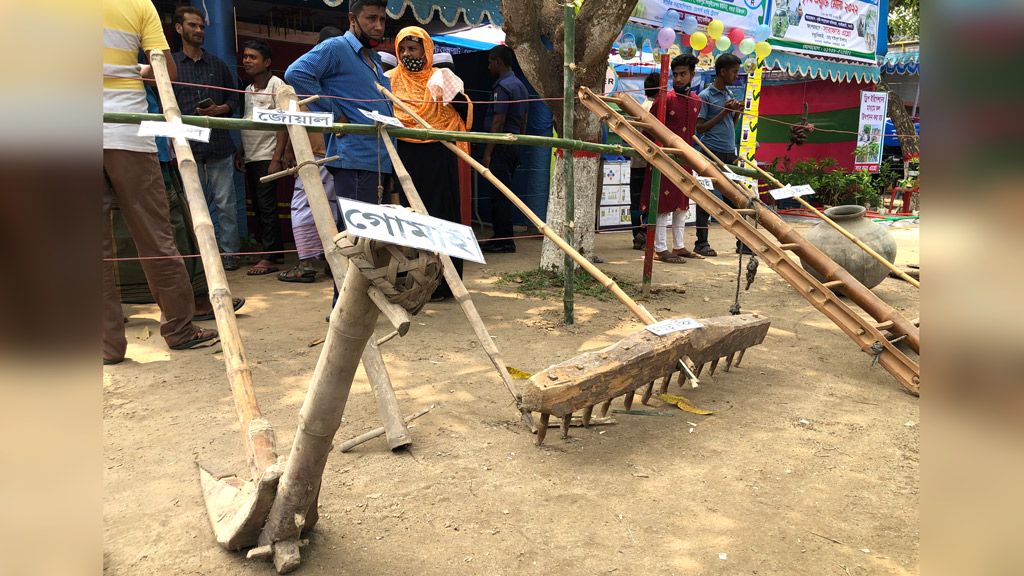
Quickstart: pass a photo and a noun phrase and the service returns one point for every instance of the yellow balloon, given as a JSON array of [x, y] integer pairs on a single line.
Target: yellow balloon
[[715, 28], [762, 49], [698, 40]]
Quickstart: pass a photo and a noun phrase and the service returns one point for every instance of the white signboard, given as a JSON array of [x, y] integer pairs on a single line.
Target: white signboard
[[322, 119], [396, 225], [791, 191], [706, 182], [174, 130], [847, 28], [870, 128], [733, 13], [378, 117], [674, 325]]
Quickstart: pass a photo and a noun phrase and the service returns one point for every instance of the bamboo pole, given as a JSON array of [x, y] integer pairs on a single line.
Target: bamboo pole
[[568, 162], [258, 435], [415, 133], [458, 288], [601, 277], [892, 267], [328, 229], [362, 438]]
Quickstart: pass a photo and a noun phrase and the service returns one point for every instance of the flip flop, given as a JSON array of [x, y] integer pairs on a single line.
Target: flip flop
[[705, 251], [236, 303], [262, 270], [669, 258], [203, 336], [298, 274], [688, 254]]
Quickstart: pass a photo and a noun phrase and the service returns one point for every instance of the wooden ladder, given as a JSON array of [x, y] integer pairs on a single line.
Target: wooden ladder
[[867, 334]]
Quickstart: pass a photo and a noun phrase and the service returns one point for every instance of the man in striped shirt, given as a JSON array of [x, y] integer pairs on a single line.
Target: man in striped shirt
[[205, 74], [132, 171]]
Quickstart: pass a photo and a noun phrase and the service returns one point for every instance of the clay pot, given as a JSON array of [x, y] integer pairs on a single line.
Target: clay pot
[[843, 251]]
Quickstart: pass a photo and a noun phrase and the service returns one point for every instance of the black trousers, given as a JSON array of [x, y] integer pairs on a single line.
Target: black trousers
[[264, 204], [636, 191], [703, 218], [504, 161]]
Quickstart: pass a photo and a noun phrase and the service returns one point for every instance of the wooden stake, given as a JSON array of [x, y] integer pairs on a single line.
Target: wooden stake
[[458, 288], [375, 433], [384, 393], [542, 427]]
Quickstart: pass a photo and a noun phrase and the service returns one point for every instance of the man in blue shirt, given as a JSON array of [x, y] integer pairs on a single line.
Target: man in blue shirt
[[505, 114], [348, 66], [716, 128], [204, 73]]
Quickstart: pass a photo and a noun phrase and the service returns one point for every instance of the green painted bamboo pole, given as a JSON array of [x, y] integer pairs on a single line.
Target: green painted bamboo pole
[[416, 133], [568, 110]]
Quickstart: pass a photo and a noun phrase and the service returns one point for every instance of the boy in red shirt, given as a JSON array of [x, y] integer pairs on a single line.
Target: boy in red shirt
[[681, 110]]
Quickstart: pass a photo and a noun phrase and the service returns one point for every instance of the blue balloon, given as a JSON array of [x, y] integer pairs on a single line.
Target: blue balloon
[[761, 33], [689, 25], [670, 20]]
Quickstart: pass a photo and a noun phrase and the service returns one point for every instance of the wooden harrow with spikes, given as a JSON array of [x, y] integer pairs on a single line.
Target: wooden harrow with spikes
[[638, 360]]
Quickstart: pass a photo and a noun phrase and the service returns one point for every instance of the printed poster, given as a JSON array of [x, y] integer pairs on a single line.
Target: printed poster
[[847, 28], [746, 14], [870, 129]]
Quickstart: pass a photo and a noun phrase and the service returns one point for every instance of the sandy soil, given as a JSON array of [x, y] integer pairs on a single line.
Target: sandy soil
[[810, 464]]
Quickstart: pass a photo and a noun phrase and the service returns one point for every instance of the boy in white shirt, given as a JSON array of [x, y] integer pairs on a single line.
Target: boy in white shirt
[[259, 152]]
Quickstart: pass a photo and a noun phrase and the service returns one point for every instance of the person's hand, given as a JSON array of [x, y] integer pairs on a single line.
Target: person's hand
[[212, 110], [734, 105], [240, 160], [486, 161], [275, 167], [288, 161]]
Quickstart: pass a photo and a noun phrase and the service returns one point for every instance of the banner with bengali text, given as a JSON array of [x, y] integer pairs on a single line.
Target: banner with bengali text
[[845, 28]]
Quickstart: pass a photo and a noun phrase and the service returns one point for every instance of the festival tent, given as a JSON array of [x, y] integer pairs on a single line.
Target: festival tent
[[901, 69]]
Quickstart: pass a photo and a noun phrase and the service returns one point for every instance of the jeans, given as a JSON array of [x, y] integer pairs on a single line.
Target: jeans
[[218, 178], [264, 203], [358, 185], [703, 218]]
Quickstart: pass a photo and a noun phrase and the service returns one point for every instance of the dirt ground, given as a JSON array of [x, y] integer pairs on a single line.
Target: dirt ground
[[809, 465]]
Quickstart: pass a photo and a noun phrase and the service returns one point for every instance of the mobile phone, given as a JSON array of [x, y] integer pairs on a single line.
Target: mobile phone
[[205, 103]]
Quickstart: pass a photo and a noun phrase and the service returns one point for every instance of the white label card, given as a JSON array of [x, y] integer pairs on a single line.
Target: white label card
[[396, 225], [706, 182], [674, 325], [321, 119], [174, 130], [788, 191], [378, 117]]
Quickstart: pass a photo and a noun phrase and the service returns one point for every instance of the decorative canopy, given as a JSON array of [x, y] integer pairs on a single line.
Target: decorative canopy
[[902, 59], [822, 68], [474, 11]]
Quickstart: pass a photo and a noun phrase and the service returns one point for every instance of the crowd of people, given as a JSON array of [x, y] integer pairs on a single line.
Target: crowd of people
[[343, 64]]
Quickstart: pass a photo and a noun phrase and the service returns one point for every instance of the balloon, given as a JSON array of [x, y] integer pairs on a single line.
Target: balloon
[[689, 25], [666, 36], [715, 28], [762, 49], [747, 46], [749, 65], [723, 43], [686, 41], [736, 35], [761, 33], [670, 20], [708, 48], [698, 40]]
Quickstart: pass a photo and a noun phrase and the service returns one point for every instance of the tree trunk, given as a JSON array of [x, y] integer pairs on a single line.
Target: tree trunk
[[910, 144], [527, 24]]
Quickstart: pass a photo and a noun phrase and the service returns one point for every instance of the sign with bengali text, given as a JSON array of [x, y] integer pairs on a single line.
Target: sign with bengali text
[[397, 225]]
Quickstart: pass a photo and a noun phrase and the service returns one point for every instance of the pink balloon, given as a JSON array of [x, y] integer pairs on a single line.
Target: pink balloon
[[736, 35]]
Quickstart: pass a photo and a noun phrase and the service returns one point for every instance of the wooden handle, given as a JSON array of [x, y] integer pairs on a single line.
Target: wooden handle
[[259, 441], [605, 281]]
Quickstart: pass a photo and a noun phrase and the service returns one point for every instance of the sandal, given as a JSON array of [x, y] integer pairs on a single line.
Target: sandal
[[639, 243], [669, 258], [236, 303], [203, 336], [687, 254], [262, 269], [705, 251], [298, 274]]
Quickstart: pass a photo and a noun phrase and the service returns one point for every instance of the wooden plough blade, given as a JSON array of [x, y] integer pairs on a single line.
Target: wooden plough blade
[[238, 508], [637, 360]]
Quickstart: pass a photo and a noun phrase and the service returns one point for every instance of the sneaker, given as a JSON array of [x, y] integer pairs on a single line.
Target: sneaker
[[746, 251], [499, 248]]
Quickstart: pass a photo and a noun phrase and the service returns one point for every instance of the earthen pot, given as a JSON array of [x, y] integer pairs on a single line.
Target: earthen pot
[[843, 251]]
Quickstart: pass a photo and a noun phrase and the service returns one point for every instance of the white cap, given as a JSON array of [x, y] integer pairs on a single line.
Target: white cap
[[443, 58], [388, 58]]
